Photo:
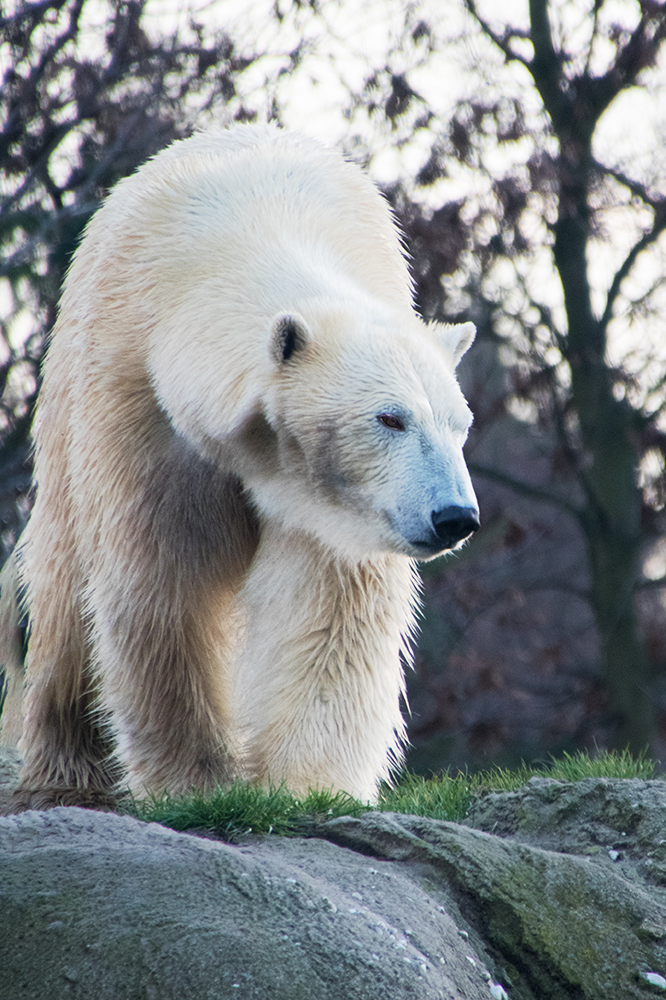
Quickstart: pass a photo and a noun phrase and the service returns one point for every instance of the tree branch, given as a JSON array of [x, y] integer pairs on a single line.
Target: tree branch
[[545, 315], [546, 67], [639, 52], [501, 41], [645, 241], [593, 38], [659, 581], [637, 189], [525, 489], [35, 11]]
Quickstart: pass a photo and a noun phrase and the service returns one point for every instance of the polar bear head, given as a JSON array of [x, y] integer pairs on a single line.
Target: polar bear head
[[360, 442]]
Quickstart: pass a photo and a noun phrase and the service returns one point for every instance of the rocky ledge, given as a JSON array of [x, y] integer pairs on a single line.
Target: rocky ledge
[[555, 891]]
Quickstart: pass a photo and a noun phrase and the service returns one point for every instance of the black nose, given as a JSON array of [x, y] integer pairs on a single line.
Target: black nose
[[452, 524]]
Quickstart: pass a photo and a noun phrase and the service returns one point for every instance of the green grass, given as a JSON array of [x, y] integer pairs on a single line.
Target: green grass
[[242, 808], [450, 797], [608, 765]]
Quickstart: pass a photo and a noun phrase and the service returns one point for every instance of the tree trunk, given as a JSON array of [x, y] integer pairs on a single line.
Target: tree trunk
[[608, 463], [613, 563]]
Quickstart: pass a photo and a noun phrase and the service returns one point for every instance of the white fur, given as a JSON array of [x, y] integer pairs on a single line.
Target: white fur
[[233, 572]]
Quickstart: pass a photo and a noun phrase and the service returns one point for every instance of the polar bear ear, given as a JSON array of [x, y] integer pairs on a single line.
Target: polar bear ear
[[289, 335], [455, 338]]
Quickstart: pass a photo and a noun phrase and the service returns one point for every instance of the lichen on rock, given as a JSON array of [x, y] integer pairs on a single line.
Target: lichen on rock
[[560, 895]]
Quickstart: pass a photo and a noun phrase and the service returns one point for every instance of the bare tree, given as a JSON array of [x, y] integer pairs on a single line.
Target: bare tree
[[601, 422], [602, 436]]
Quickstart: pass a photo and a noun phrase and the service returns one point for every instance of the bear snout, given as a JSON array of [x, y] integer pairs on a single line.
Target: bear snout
[[453, 524]]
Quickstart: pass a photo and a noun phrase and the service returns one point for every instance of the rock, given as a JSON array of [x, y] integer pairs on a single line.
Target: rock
[[560, 926], [590, 817], [559, 897], [620, 823], [100, 906]]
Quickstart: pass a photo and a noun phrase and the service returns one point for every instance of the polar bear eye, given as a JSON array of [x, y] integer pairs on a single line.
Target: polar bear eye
[[390, 420]]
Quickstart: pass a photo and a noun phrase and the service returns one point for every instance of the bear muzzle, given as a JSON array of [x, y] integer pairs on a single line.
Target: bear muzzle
[[455, 524]]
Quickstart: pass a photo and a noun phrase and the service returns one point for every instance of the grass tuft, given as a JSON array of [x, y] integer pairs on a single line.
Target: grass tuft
[[450, 797], [440, 796], [613, 764], [244, 808]]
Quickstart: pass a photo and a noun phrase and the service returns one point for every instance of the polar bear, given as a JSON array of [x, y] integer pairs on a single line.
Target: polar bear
[[245, 439]]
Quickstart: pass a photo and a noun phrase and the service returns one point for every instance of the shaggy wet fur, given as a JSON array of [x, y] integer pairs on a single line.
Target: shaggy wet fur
[[220, 561]]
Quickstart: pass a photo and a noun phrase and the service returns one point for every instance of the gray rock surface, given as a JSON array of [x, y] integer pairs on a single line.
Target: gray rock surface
[[559, 926], [559, 897], [591, 817], [104, 907]]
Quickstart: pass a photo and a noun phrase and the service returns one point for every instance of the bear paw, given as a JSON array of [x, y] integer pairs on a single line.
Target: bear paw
[[50, 796]]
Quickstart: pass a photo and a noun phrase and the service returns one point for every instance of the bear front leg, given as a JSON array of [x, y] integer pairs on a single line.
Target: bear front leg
[[320, 678]]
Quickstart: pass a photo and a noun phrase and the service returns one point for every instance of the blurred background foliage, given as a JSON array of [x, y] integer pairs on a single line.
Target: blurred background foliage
[[523, 159]]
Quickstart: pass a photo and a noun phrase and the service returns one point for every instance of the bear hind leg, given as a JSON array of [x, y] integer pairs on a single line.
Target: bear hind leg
[[67, 752]]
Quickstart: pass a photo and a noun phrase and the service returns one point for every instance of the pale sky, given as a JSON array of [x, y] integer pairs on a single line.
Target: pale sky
[[354, 35]]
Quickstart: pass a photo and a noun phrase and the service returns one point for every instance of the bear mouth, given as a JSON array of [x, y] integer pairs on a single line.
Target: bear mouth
[[431, 547], [435, 546]]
